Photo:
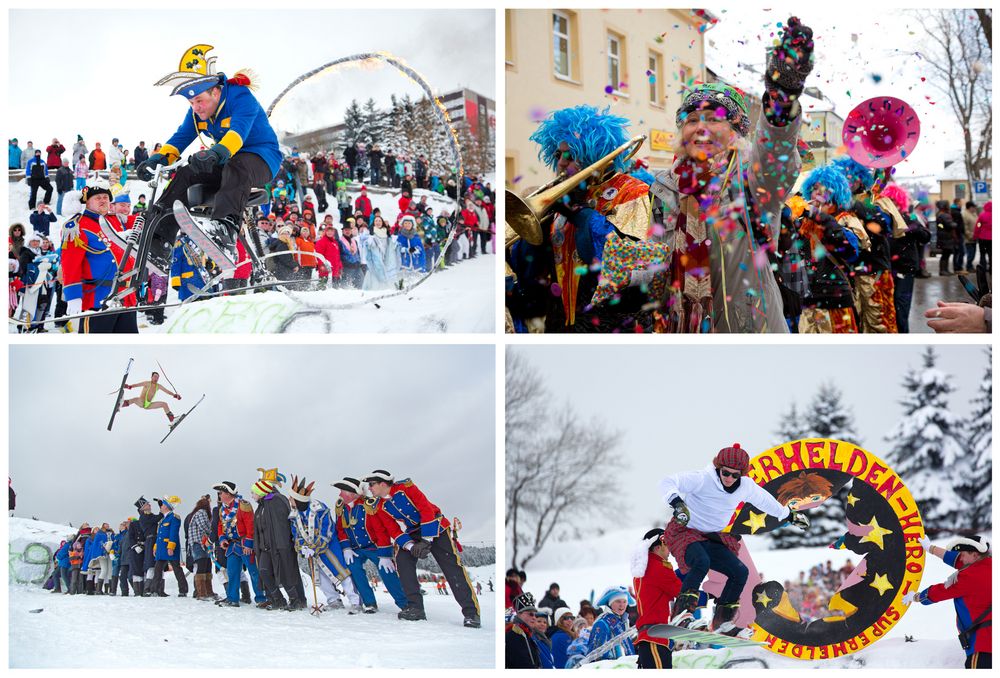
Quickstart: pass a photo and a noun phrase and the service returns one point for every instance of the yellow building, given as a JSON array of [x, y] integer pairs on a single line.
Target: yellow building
[[637, 61]]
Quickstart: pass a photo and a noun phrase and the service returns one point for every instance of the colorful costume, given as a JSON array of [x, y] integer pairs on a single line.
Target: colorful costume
[[313, 529], [368, 532], [236, 529]]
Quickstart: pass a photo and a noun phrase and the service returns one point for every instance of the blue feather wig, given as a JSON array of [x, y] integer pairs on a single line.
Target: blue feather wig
[[854, 171], [590, 134], [832, 177]]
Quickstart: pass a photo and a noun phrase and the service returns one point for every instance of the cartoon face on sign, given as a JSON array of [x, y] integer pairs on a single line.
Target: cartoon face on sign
[[881, 525]]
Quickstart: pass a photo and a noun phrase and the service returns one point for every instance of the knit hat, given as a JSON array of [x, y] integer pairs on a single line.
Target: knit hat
[[262, 487], [730, 98], [227, 486], [91, 191], [972, 543], [733, 457], [300, 491], [379, 475], [348, 485], [524, 603]]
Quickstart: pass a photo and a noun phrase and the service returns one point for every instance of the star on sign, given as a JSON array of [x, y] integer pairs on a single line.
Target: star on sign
[[876, 535], [881, 583], [763, 598], [851, 499], [756, 521]]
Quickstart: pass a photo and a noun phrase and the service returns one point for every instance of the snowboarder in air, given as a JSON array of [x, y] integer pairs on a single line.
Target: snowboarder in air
[[970, 587], [703, 503], [146, 397]]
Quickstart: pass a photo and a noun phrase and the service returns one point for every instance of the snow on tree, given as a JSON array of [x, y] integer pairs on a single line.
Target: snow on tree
[[355, 124], [977, 488], [827, 416], [791, 427], [926, 451]]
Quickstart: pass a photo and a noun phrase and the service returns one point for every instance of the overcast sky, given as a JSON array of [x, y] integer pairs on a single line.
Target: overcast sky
[[678, 405], [325, 412], [852, 47], [91, 72]]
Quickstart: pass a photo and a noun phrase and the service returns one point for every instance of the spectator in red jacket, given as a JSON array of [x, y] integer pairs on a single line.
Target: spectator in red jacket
[[971, 589], [53, 156], [513, 585], [656, 585], [98, 161], [327, 246], [364, 204]]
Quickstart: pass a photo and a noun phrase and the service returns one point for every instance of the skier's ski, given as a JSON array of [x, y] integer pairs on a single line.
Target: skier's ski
[[681, 634], [187, 224], [181, 418], [121, 394]]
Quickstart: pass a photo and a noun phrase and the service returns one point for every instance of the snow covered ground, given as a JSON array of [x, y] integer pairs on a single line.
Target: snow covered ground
[[458, 299], [585, 568], [60, 631]]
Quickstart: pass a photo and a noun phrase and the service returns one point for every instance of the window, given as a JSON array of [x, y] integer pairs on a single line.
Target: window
[[509, 37], [561, 44], [614, 61], [655, 76], [685, 76]]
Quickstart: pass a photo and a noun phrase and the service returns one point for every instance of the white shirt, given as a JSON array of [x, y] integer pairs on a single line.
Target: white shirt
[[710, 505]]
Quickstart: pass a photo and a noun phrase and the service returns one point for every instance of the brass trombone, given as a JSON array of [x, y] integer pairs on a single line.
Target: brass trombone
[[524, 216]]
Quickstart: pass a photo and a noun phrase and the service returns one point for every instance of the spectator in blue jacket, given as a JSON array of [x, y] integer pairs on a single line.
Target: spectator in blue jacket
[[99, 570], [168, 549], [13, 155], [36, 174], [120, 545], [41, 218], [564, 635], [61, 558], [612, 623]]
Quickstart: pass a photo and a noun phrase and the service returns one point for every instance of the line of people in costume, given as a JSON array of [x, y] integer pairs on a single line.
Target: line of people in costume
[[275, 545]]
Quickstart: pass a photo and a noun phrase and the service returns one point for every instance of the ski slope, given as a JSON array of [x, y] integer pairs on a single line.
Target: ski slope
[[458, 299], [585, 568], [49, 630]]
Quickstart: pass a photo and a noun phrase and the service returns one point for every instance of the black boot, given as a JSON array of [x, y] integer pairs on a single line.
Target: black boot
[[160, 588], [147, 588], [412, 613], [682, 612], [137, 588], [223, 233], [245, 591], [722, 619], [90, 587]]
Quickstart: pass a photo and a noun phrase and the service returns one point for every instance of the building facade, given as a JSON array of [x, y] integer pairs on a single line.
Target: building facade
[[637, 61]]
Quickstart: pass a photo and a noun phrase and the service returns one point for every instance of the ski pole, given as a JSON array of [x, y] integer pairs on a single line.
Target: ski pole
[[164, 373]]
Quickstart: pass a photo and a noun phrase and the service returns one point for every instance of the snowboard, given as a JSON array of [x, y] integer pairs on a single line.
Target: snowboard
[[681, 634], [200, 238], [121, 394], [181, 418]]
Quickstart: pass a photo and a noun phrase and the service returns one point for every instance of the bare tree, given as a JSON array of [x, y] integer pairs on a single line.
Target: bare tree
[[959, 57], [986, 21], [557, 465]]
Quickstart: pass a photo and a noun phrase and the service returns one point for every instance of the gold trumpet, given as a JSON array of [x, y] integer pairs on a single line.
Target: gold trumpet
[[525, 216]]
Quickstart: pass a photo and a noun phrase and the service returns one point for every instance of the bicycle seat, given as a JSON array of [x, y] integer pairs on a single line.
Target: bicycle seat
[[199, 196]]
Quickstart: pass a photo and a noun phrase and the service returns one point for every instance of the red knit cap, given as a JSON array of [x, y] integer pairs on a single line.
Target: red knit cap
[[733, 457]]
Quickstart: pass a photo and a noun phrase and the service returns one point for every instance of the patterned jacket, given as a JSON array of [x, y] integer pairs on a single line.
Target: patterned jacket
[[419, 517], [361, 526]]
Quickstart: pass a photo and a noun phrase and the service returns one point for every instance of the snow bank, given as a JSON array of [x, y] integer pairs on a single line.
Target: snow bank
[[31, 547]]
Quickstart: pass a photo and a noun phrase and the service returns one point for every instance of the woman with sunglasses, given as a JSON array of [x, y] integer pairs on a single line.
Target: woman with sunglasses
[[702, 503]]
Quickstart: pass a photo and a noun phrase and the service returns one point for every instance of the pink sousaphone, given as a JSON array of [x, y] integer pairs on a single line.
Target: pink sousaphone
[[881, 132]]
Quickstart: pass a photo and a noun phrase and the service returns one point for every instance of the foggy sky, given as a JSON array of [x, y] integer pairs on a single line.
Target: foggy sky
[[424, 412], [91, 72], [676, 406]]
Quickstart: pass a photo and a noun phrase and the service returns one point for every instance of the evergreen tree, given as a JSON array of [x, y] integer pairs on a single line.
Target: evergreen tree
[[791, 427], [826, 417], [977, 488], [355, 126], [926, 452], [375, 124]]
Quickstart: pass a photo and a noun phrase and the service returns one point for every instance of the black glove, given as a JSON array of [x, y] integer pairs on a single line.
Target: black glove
[[145, 169], [421, 549], [789, 63], [799, 520], [203, 162], [682, 514]]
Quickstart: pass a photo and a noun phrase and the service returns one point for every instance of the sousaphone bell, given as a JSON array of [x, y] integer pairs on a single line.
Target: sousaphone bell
[[881, 132]]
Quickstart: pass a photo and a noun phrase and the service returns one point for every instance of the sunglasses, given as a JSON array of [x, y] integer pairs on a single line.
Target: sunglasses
[[729, 474]]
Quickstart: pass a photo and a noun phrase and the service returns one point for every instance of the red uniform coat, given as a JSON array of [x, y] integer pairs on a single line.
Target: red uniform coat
[[654, 593], [408, 505], [972, 593], [89, 258]]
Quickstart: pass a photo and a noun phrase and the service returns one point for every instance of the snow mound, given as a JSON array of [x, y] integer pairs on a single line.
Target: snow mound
[[32, 544]]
